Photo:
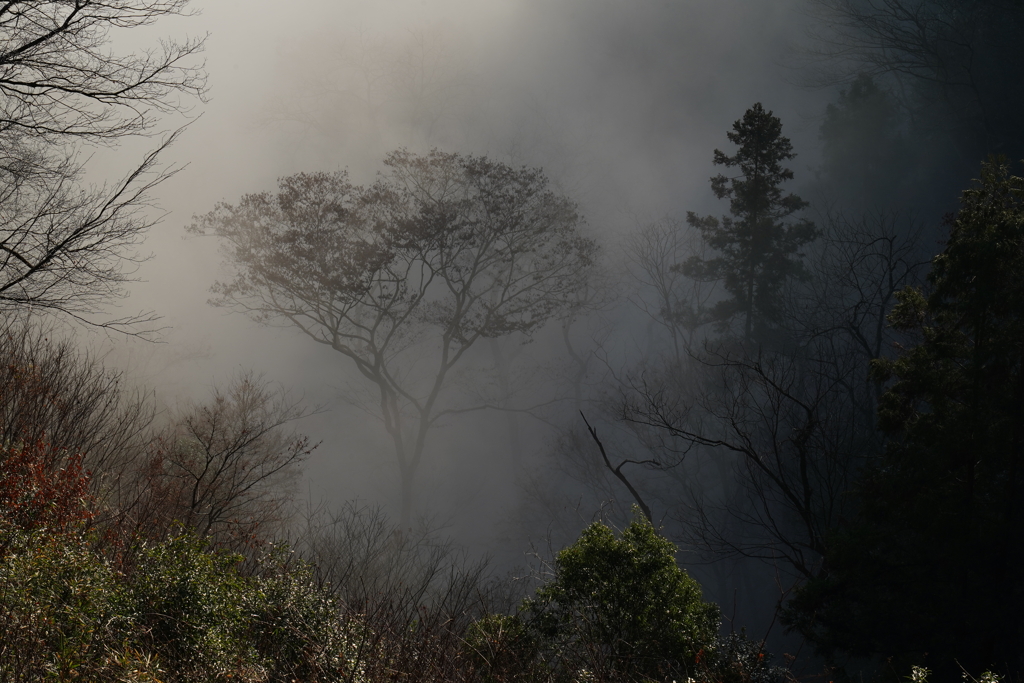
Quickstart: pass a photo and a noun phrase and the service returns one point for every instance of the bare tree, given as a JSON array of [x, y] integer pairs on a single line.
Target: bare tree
[[787, 427], [681, 305], [223, 468], [614, 470], [403, 278], [783, 430], [408, 597], [64, 248], [617, 471], [55, 394], [60, 81], [860, 264], [958, 58]]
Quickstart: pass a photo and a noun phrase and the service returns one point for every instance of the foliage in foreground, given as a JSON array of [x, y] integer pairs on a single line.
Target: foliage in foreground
[[175, 610], [178, 609], [616, 609], [182, 613]]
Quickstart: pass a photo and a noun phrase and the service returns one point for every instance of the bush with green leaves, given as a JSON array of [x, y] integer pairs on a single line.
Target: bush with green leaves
[[298, 628], [57, 605], [196, 609], [189, 606], [175, 611], [615, 609]]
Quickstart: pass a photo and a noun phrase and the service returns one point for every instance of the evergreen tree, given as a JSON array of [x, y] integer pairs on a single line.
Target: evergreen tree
[[928, 571], [757, 249]]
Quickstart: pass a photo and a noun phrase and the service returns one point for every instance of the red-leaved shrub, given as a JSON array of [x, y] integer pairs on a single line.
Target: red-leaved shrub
[[41, 486]]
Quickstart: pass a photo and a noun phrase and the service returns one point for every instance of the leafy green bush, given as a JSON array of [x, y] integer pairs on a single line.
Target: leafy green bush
[[56, 594], [616, 609], [178, 612], [187, 605], [297, 627], [57, 601], [204, 618]]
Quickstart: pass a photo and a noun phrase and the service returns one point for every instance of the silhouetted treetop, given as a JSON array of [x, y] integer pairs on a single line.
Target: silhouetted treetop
[[757, 250]]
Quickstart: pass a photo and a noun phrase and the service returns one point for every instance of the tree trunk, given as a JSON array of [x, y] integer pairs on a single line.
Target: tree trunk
[[501, 363], [405, 517]]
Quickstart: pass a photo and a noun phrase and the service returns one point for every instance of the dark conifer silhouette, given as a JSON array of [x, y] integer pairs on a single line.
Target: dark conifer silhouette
[[757, 250]]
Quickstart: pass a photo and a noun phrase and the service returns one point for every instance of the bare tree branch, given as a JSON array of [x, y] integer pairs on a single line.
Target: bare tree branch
[[68, 250], [65, 248], [224, 468], [617, 471], [60, 82]]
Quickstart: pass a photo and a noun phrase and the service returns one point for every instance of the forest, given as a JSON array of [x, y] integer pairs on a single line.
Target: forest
[[591, 342]]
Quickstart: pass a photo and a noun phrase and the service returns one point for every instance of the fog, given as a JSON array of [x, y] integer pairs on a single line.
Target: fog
[[621, 104]]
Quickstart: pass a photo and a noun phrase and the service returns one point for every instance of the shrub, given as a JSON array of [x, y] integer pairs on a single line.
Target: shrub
[[409, 596], [206, 620], [616, 609], [57, 602], [179, 612], [186, 605], [41, 487], [297, 626]]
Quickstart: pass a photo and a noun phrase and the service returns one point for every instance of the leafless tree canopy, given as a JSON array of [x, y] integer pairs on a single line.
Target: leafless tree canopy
[[68, 249], [64, 247], [224, 467], [960, 54], [52, 393], [783, 427], [786, 426], [60, 81], [405, 276], [679, 304], [408, 596]]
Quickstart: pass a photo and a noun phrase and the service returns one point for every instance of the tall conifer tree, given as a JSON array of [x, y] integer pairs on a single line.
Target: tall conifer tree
[[757, 249]]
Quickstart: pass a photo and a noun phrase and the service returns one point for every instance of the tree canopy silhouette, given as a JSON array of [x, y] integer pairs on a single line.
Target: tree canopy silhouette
[[757, 250], [403, 277], [63, 247]]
